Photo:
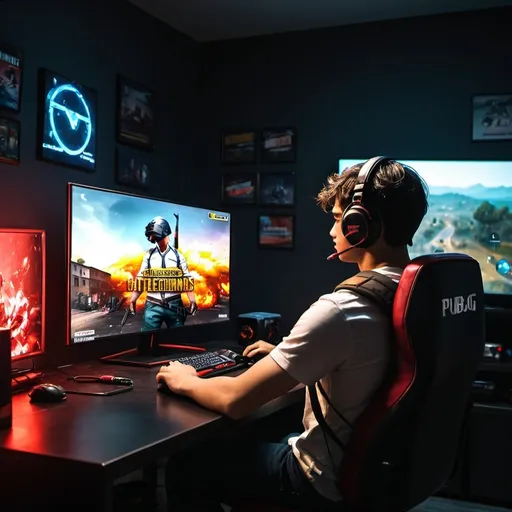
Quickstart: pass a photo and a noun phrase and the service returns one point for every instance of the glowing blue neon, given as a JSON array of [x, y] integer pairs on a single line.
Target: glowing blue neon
[[503, 267], [73, 117]]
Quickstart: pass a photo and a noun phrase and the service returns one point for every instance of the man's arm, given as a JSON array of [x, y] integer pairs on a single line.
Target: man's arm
[[235, 397]]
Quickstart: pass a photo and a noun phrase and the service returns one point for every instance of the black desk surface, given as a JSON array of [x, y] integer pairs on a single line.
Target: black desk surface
[[117, 433]]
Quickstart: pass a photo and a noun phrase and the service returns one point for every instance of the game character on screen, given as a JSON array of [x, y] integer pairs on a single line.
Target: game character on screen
[[163, 307], [341, 341]]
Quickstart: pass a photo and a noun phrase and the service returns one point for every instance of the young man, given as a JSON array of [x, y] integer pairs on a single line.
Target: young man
[[341, 340]]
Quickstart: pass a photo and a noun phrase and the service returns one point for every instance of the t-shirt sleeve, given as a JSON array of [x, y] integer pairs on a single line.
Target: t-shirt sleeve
[[319, 342]]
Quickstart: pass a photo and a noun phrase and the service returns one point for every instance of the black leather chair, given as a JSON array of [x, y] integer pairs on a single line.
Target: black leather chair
[[405, 445]]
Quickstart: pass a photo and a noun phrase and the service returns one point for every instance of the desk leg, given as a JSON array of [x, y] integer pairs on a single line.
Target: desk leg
[[106, 497], [150, 477]]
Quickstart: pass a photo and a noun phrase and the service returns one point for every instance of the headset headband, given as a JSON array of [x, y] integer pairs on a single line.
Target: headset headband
[[365, 175]]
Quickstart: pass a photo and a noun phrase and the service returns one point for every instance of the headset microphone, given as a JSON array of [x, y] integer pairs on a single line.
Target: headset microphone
[[336, 254]]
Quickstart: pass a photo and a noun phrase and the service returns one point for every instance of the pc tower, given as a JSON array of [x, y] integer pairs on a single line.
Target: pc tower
[[252, 327]]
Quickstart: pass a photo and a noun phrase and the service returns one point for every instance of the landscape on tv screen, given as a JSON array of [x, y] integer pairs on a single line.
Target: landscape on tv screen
[[470, 211]]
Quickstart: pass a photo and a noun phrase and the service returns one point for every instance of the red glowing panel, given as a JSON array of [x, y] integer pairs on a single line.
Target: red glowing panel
[[22, 275]]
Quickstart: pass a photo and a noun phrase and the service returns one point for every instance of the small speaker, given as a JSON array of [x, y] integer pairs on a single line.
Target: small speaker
[[5, 379], [252, 327]]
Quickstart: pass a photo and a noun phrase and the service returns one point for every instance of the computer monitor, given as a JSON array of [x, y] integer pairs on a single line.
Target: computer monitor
[[469, 212], [22, 289], [132, 254]]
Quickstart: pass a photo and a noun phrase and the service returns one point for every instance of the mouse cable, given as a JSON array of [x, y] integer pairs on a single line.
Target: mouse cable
[[104, 379]]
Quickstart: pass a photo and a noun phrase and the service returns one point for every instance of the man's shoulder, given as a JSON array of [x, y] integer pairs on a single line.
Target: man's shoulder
[[348, 299], [342, 299]]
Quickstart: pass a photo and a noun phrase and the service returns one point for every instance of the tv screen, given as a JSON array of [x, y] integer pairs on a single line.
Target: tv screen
[[22, 275], [469, 212], [131, 254], [67, 122]]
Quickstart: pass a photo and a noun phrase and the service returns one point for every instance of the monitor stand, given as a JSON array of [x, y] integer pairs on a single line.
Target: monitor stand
[[149, 353]]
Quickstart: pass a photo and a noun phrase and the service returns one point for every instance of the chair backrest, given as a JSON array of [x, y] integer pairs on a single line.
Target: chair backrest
[[404, 445]]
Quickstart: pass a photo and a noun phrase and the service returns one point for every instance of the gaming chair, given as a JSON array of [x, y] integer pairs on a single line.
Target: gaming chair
[[405, 445]]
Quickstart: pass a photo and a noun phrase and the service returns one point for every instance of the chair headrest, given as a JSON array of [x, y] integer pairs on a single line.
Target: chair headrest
[[448, 285], [439, 309]]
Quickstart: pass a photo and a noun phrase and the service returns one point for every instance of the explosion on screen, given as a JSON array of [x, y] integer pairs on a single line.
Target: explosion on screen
[[21, 290]]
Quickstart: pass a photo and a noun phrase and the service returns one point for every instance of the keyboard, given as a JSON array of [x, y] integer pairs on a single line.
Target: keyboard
[[217, 361]]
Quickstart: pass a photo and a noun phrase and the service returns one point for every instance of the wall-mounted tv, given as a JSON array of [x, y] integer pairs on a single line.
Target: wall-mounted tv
[[470, 211]]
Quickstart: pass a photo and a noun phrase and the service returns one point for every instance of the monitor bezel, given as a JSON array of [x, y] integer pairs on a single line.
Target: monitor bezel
[[41, 232], [41, 116], [68, 267], [492, 300]]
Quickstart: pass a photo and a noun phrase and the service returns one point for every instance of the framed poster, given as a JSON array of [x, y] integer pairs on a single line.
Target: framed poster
[[239, 188], [238, 147], [492, 117], [135, 114], [278, 145], [9, 141], [276, 231], [67, 122], [277, 189], [10, 78], [133, 169]]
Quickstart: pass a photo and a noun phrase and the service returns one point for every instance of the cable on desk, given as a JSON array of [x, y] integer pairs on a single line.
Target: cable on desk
[[104, 379]]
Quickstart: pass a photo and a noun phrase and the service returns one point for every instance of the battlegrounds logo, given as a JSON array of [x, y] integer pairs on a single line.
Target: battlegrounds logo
[[165, 280]]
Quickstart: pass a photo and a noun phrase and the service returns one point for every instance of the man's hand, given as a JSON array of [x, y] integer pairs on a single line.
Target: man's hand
[[258, 349], [175, 375], [192, 309]]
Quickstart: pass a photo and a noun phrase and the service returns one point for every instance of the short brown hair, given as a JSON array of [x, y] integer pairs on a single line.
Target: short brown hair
[[398, 196]]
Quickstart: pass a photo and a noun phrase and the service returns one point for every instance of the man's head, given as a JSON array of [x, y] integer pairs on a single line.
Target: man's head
[[157, 230], [395, 197]]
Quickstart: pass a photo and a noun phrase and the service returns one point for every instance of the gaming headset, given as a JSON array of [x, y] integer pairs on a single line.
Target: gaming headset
[[360, 223]]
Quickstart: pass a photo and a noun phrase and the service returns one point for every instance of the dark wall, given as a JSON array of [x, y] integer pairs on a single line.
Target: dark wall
[[400, 88], [91, 41]]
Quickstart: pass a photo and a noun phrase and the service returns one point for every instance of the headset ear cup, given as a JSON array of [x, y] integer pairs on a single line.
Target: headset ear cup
[[374, 230], [355, 225]]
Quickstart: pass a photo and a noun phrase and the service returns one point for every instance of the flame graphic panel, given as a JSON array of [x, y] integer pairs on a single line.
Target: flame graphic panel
[[22, 260]]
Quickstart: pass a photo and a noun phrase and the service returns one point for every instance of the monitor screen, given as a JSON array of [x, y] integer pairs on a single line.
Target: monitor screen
[[469, 212], [131, 254], [22, 275], [67, 122]]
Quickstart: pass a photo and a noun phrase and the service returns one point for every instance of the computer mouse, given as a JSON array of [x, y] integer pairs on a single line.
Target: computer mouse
[[46, 392], [162, 387]]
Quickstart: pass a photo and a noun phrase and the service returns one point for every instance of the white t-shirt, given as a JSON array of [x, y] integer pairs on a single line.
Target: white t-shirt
[[343, 341]]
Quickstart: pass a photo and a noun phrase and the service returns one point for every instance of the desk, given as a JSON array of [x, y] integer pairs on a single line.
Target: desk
[[69, 453]]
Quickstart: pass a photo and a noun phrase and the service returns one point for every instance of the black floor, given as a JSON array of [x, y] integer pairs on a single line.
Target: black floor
[[431, 505], [444, 505]]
